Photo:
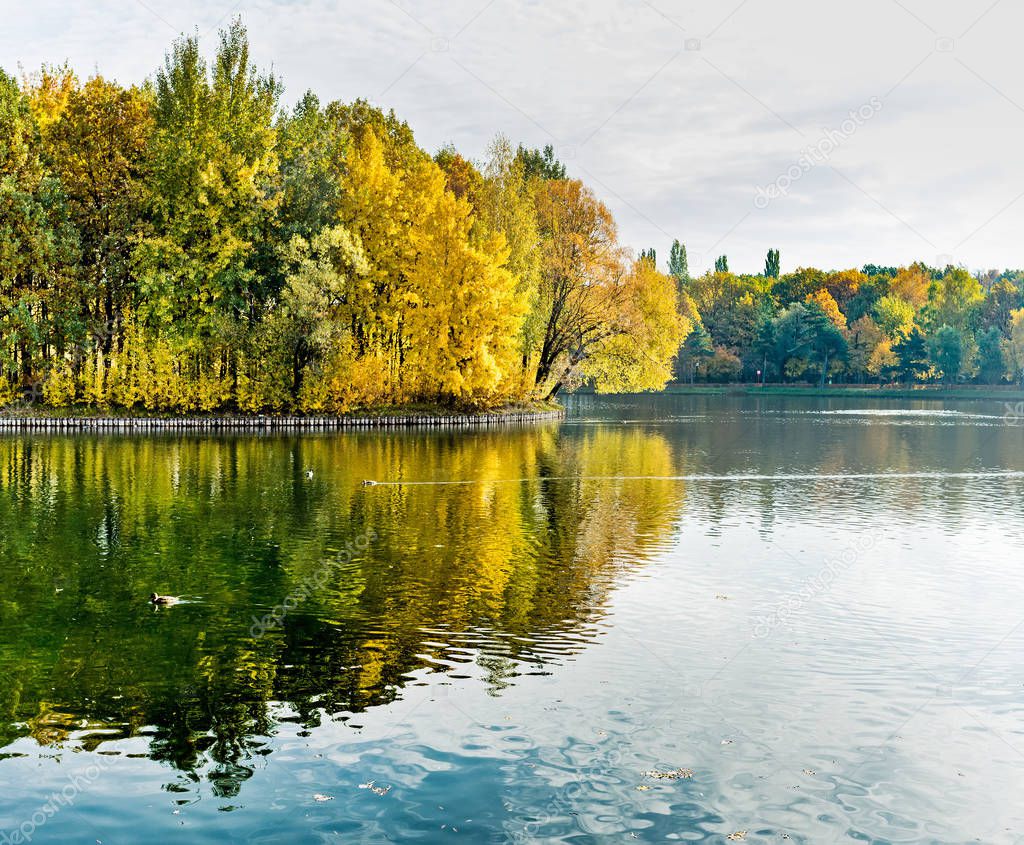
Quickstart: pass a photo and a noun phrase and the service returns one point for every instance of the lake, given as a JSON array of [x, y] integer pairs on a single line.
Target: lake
[[676, 618]]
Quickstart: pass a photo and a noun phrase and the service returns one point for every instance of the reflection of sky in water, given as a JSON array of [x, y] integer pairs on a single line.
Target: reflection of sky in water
[[824, 623]]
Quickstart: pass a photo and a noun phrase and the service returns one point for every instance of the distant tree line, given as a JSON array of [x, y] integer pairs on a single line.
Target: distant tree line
[[877, 325]]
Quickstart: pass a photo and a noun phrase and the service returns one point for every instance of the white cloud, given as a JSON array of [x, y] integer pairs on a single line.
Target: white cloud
[[676, 140]]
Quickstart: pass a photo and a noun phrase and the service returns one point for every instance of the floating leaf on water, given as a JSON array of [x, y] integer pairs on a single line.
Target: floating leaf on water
[[644, 787], [675, 774], [722, 597], [738, 836], [726, 742], [810, 772], [319, 797]]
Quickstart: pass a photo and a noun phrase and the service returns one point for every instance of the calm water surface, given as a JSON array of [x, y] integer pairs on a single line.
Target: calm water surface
[[816, 607]]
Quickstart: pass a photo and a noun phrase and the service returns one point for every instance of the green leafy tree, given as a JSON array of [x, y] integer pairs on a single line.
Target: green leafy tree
[[541, 164], [764, 344], [771, 264], [696, 349], [954, 299], [311, 143], [895, 316], [991, 357], [946, 353], [1004, 297], [722, 264], [678, 267], [212, 189], [792, 335], [912, 357], [827, 343]]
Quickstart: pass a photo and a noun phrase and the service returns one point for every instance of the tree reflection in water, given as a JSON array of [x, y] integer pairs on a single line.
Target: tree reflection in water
[[506, 572]]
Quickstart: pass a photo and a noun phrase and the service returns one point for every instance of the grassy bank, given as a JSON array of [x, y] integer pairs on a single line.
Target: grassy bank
[[27, 410]]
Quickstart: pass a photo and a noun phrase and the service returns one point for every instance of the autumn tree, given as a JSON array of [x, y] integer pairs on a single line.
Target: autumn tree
[[1014, 348], [37, 245], [462, 318], [1003, 298], [798, 285], [97, 148], [643, 333], [594, 305], [504, 205], [828, 306], [461, 176], [844, 286], [953, 299], [863, 339], [911, 284], [895, 316]]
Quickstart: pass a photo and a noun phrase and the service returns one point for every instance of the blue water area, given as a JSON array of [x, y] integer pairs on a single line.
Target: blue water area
[[667, 618]]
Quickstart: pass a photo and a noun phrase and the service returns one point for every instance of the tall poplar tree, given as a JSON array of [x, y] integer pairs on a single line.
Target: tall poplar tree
[[678, 266]]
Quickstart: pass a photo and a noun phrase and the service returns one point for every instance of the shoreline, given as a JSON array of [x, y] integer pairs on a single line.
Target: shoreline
[[967, 393], [59, 423]]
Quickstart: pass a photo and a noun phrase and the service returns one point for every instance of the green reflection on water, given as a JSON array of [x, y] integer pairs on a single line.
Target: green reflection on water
[[320, 591]]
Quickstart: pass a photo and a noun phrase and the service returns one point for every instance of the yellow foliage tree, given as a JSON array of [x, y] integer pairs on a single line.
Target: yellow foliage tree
[[911, 285], [644, 337], [882, 358], [463, 317], [829, 305], [1015, 346]]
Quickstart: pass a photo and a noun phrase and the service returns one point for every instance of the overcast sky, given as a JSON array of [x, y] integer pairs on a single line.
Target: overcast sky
[[725, 124]]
